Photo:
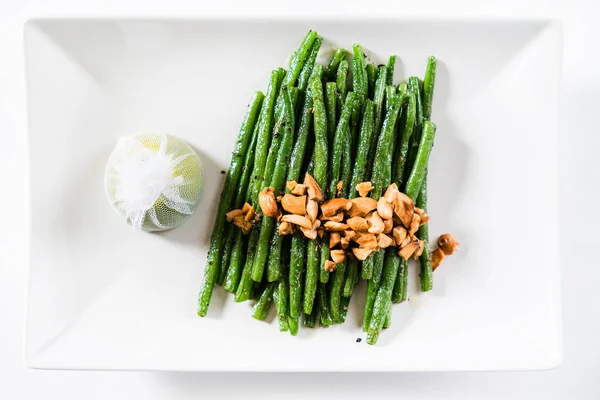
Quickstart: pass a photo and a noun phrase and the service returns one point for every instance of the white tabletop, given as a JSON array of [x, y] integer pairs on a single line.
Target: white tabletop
[[579, 174]]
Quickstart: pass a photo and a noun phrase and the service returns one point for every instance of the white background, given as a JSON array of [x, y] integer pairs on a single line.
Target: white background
[[579, 175]]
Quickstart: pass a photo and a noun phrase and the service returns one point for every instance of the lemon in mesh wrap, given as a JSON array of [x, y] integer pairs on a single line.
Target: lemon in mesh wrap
[[154, 181]]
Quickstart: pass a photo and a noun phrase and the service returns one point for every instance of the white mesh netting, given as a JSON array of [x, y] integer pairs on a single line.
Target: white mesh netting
[[154, 181]]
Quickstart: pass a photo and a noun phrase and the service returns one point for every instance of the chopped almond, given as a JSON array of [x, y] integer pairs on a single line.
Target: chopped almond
[[367, 241], [309, 233], [246, 207], [375, 222], [249, 213], [404, 208], [424, 217], [313, 189], [385, 209], [388, 225], [338, 187], [297, 220], [408, 250], [266, 200], [285, 228], [361, 206], [246, 228], [437, 256], [334, 239], [335, 226], [399, 234], [329, 266], [345, 243], [290, 185], [299, 189], [333, 206], [349, 234], [384, 241], [414, 224], [408, 239], [339, 217], [357, 223], [361, 253], [239, 220], [312, 210], [337, 256], [233, 213], [447, 243], [364, 188], [294, 204], [419, 250], [391, 192]]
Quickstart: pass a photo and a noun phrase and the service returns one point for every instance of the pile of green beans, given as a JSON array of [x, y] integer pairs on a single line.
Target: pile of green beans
[[314, 119]]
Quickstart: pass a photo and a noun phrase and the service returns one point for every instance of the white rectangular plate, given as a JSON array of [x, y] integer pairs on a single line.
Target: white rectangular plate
[[105, 297]]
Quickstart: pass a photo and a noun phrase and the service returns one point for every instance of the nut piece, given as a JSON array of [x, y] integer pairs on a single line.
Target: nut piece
[[335, 226], [424, 217], [299, 189], [384, 241], [339, 217], [334, 239], [419, 250], [294, 204], [447, 243], [367, 241], [266, 200], [338, 187], [361, 206], [399, 234], [391, 192], [375, 222], [345, 243], [313, 189], [409, 249], [233, 213], [385, 209], [285, 228], [437, 256], [297, 220], [331, 207], [349, 234], [311, 233], [361, 253], [329, 266], [388, 225], [364, 188], [246, 207], [290, 185], [357, 223], [249, 213], [414, 224], [312, 210], [337, 256]]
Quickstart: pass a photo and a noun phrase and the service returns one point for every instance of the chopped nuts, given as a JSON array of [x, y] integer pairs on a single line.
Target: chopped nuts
[[447, 243], [414, 224], [266, 200], [285, 228], [349, 234], [419, 250], [384, 241], [246, 207], [338, 187], [361, 206], [399, 234], [294, 204], [385, 209], [334, 239], [391, 192], [335, 226], [233, 213], [299, 189], [309, 233], [313, 189], [337, 256], [388, 225], [249, 213], [437, 256], [375, 222], [345, 243], [297, 220], [331, 207], [404, 208], [339, 217], [423, 215], [364, 188], [290, 185], [360, 253], [357, 223], [329, 266], [408, 250], [312, 210], [367, 241]]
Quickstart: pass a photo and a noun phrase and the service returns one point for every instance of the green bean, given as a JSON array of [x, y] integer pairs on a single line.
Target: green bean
[[419, 169], [324, 275], [213, 263], [331, 70], [312, 275], [325, 318], [338, 144], [262, 306], [371, 78], [423, 233], [301, 145], [405, 140], [346, 172], [281, 297], [350, 282], [384, 295], [415, 87], [390, 70], [310, 320], [388, 319], [320, 127], [390, 91], [341, 81], [401, 285], [364, 143], [300, 57], [344, 308], [245, 286], [379, 97], [263, 140], [382, 165], [277, 183], [293, 325], [234, 272], [298, 255], [229, 234], [428, 85], [336, 288], [306, 72], [274, 259], [355, 120], [372, 286], [330, 101], [359, 71]]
